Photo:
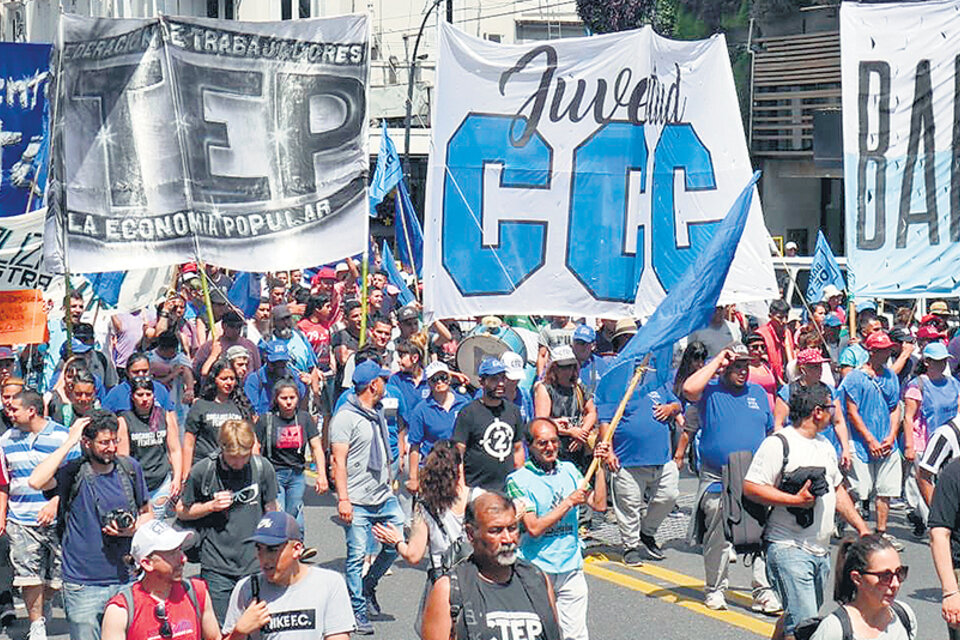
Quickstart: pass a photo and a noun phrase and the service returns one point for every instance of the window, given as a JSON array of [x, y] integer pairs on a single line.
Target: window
[[492, 37]]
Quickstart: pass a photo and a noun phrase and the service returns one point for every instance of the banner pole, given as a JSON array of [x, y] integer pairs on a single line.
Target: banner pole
[[363, 293], [205, 287], [406, 237], [608, 436], [803, 297]]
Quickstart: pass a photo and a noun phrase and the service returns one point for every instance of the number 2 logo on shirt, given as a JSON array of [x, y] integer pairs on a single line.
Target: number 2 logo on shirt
[[497, 440]]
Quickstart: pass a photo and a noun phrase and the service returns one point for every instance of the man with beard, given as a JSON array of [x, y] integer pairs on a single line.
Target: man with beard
[[302, 357], [58, 336], [287, 600], [481, 594], [161, 602], [259, 384], [488, 432], [103, 500], [213, 350]]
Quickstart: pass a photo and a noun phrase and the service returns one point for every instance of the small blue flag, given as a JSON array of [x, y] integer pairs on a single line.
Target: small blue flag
[[407, 231], [824, 270], [388, 172], [393, 276], [245, 292], [106, 286]]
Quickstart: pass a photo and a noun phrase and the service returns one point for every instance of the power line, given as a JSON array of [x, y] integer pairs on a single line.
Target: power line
[[484, 17]]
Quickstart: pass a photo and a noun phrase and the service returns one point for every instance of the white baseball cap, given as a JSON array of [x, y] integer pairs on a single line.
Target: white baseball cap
[[563, 354], [514, 364], [434, 368], [157, 535], [790, 245]]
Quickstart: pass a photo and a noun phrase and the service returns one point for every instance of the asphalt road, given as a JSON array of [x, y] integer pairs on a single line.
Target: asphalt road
[[660, 600]]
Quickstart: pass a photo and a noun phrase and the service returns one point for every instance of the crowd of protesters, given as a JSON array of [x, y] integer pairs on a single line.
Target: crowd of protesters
[[154, 437]]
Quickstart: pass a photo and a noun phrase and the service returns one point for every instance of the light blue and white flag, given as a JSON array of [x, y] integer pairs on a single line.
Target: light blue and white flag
[[388, 172], [824, 270]]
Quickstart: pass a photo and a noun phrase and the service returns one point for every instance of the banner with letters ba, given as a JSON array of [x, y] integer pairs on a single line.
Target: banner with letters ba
[[243, 143], [900, 72], [564, 173]]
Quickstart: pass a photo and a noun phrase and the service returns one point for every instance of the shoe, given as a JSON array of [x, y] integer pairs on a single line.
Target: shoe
[[373, 606], [38, 630], [732, 556], [652, 548], [364, 628], [896, 544], [8, 614], [715, 601], [768, 604], [919, 526], [633, 558]]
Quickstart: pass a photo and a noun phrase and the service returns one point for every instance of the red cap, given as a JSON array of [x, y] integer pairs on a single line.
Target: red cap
[[879, 340], [930, 319], [324, 273], [810, 356], [927, 332]]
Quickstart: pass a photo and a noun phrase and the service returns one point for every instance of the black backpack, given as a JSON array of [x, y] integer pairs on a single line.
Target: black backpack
[[744, 520], [806, 628]]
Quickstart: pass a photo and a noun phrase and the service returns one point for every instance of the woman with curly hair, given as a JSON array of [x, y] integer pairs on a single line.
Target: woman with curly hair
[[214, 407]]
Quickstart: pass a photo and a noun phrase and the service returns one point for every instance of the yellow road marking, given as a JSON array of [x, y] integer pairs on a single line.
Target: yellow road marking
[[682, 580], [593, 567]]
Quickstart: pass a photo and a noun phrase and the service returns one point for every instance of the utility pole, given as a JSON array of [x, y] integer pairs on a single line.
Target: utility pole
[[450, 11]]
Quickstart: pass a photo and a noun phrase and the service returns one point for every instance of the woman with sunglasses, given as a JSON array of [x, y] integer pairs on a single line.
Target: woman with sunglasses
[[869, 575], [561, 396], [284, 433], [151, 436]]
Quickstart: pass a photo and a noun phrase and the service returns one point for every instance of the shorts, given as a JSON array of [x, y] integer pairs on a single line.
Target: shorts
[[881, 478], [34, 555]]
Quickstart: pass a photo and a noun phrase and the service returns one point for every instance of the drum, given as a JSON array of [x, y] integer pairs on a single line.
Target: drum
[[483, 342]]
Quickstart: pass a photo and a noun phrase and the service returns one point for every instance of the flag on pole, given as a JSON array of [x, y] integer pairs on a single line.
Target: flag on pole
[[824, 270], [388, 172], [408, 233], [245, 292], [130, 290], [393, 276], [693, 299]]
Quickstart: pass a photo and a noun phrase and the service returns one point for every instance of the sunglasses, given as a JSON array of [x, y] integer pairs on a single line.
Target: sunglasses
[[160, 611], [886, 577], [440, 377]]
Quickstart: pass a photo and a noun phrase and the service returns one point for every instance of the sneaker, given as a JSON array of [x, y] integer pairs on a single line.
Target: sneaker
[[8, 614], [715, 601], [364, 628], [633, 558], [732, 556], [652, 548], [919, 526], [373, 606], [768, 604], [893, 541], [38, 630]]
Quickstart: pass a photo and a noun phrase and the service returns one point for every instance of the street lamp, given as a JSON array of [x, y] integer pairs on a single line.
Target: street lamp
[[412, 75]]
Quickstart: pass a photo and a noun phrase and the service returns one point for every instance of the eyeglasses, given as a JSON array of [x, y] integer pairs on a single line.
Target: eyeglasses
[[827, 407], [440, 377], [160, 611], [247, 495], [886, 577]]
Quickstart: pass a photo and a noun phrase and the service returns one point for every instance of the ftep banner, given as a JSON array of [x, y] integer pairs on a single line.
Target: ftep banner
[[565, 173], [901, 105], [243, 144], [24, 126]]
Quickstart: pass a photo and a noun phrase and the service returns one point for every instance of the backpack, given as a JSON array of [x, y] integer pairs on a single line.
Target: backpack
[[808, 627], [744, 520], [85, 472], [126, 592]]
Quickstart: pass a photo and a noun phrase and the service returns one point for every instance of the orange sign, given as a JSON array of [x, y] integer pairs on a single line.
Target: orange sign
[[23, 317]]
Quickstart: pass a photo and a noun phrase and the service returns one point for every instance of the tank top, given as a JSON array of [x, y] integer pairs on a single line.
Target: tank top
[[569, 402], [148, 445], [179, 609]]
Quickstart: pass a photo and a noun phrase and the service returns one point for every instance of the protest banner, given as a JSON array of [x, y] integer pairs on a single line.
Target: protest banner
[[900, 79], [23, 317], [24, 126], [21, 252], [563, 174], [241, 144]]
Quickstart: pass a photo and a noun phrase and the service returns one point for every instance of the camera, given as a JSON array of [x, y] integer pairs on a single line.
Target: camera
[[119, 518]]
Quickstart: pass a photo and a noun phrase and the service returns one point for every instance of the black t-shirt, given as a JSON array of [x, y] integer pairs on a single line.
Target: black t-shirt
[[346, 339], [945, 507], [148, 444], [204, 421], [223, 548], [489, 434], [291, 437]]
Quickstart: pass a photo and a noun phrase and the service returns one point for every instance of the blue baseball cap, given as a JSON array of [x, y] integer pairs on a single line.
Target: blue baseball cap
[[275, 351], [491, 367], [936, 351], [276, 527], [866, 304], [368, 371], [76, 346], [583, 333], [832, 321]]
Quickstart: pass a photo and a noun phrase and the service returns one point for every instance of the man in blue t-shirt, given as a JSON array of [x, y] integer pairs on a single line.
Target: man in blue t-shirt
[[550, 495], [643, 463], [734, 416], [109, 501], [870, 396]]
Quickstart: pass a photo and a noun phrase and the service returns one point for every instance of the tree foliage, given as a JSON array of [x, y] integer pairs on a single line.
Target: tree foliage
[[606, 16]]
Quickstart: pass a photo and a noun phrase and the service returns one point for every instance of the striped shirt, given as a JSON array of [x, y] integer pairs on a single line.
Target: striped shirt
[[23, 451], [941, 447]]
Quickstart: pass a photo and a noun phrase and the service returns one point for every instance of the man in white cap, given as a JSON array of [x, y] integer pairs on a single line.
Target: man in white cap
[[790, 249], [287, 600], [512, 390], [161, 604]]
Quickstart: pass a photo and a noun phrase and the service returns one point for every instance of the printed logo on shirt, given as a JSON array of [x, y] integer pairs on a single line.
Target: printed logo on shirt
[[149, 438], [497, 440], [296, 620], [515, 625], [290, 437], [752, 403], [177, 630], [655, 396]]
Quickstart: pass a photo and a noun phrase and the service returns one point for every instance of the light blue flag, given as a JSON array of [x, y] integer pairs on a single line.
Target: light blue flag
[[824, 270], [245, 292], [690, 303], [393, 276], [106, 286], [405, 220], [388, 172]]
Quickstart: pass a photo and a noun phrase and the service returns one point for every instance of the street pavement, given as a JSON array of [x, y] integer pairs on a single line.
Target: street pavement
[[662, 600]]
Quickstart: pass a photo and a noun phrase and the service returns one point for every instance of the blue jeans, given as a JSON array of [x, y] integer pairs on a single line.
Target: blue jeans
[[358, 532], [219, 586], [84, 605], [800, 579], [290, 488]]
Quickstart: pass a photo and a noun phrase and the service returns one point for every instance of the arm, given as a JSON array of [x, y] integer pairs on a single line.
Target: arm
[[175, 455], [114, 623], [770, 495], [541, 401], [943, 562], [519, 457], [413, 482], [209, 625], [843, 435], [925, 484], [413, 549], [437, 624], [887, 443], [910, 407], [597, 499], [189, 446], [316, 449], [681, 452], [43, 474], [542, 355], [694, 385], [846, 508], [903, 358], [339, 464], [536, 525], [123, 437], [4, 500], [780, 412], [443, 333]]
